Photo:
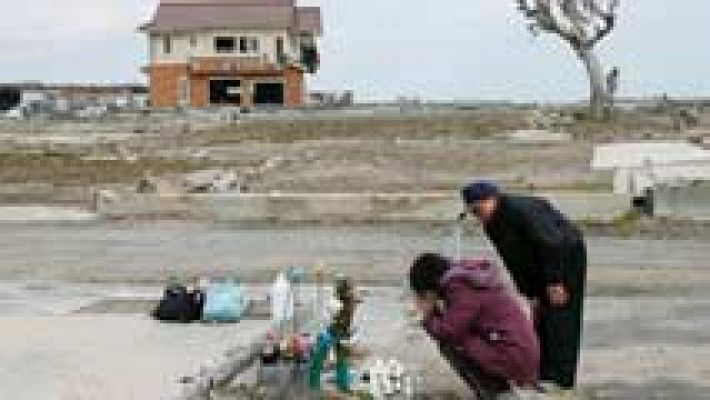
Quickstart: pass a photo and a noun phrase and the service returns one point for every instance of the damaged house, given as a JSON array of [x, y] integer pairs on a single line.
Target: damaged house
[[231, 52]]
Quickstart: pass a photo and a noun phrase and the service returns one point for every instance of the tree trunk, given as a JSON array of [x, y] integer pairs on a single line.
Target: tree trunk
[[597, 83]]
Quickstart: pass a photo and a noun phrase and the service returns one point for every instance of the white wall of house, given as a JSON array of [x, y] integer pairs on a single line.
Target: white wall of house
[[185, 45]]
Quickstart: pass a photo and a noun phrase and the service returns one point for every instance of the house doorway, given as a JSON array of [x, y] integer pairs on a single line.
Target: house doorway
[[226, 92], [269, 94]]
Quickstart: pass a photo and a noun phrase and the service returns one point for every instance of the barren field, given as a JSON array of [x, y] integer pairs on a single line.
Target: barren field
[[411, 151], [649, 282]]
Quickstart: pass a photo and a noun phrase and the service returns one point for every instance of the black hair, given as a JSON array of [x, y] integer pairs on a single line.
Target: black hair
[[427, 271]]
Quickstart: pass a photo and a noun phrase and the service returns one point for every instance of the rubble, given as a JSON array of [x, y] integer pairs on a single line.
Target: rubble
[[212, 181]]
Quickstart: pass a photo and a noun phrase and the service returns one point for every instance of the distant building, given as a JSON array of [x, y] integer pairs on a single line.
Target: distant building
[[231, 52], [38, 97], [331, 99]]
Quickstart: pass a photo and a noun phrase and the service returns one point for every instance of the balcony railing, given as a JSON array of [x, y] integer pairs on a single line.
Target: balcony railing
[[309, 62], [211, 65]]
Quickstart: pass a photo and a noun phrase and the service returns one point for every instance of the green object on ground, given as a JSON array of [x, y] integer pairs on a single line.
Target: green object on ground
[[318, 355], [342, 369]]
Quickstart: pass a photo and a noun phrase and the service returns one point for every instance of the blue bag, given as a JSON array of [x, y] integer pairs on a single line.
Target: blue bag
[[224, 302]]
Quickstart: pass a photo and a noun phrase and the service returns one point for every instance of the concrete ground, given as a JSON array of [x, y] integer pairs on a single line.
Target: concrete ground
[[134, 253], [87, 357], [84, 342], [646, 330]]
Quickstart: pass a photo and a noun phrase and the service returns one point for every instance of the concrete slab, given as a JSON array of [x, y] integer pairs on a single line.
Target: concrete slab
[[120, 357], [45, 214], [309, 207]]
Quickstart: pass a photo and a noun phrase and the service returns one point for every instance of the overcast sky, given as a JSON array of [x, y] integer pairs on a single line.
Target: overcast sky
[[438, 49]]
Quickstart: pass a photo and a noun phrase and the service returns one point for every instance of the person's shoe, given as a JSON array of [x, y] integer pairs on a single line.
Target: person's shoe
[[553, 391], [547, 387], [521, 394]]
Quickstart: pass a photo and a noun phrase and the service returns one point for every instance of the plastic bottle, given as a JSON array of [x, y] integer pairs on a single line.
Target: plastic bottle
[[269, 355], [319, 313], [281, 302]]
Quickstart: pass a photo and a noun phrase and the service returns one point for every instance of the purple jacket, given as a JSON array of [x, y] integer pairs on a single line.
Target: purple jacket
[[485, 322]]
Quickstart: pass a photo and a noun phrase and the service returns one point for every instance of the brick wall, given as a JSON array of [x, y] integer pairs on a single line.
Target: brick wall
[[199, 91], [164, 80], [293, 90]]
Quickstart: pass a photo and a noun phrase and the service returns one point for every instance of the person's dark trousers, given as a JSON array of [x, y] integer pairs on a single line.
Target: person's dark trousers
[[485, 386], [560, 328]]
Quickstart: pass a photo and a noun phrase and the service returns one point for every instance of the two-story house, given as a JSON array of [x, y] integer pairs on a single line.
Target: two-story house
[[231, 52]]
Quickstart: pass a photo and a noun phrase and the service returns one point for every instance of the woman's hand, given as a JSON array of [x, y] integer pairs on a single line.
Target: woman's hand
[[425, 304], [558, 295]]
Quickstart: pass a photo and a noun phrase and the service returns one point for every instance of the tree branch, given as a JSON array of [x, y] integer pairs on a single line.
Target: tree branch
[[607, 17], [582, 23]]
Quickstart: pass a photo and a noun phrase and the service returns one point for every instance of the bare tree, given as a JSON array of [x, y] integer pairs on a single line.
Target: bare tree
[[582, 24]]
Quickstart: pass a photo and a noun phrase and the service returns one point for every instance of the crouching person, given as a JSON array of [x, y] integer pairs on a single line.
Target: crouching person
[[478, 323]]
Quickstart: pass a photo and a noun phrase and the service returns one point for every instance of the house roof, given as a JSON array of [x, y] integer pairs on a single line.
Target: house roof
[[308, 19], [173, 15]]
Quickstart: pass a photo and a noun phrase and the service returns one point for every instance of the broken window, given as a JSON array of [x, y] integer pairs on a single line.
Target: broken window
[[269, 93], [254, 44], [224, 44], [225, 91], [167, 44], [280, 54], [248, 44], [280, 45]]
